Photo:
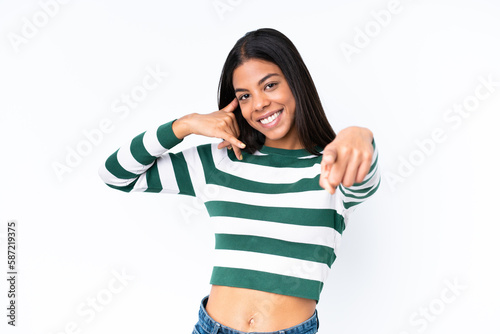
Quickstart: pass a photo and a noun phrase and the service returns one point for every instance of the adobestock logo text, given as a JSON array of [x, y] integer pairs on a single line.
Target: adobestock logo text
[[31, 27]]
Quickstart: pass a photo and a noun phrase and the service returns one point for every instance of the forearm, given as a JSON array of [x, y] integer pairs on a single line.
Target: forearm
[[133, 159]]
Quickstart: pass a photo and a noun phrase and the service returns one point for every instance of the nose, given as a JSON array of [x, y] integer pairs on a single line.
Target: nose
[[260, 101]]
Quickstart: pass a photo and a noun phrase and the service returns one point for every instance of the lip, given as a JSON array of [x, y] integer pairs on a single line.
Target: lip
[[273, 123], [269, 114]]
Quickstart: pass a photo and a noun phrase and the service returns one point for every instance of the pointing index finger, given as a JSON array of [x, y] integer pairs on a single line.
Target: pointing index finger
[[329, 157], [327, 162]]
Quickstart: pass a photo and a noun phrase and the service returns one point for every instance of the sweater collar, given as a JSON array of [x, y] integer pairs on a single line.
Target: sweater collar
[[298, 153]]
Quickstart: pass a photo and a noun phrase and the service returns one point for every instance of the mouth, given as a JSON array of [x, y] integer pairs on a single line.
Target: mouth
[[270, 118]]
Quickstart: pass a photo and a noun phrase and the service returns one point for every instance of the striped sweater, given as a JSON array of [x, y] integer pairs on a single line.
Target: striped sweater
[[276, 229]]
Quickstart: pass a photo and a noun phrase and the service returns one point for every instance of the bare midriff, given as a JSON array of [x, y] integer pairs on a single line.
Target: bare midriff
[[250, 310]]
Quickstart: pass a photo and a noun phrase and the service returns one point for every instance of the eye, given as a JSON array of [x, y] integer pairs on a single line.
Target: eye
[[243, 97], [271, 85]]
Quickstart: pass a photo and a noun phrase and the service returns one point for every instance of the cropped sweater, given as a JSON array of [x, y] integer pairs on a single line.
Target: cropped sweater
[[276, 229]]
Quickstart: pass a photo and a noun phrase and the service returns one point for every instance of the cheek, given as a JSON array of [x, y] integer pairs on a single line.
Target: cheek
[[288, 97], [291, 104], [245, 112]]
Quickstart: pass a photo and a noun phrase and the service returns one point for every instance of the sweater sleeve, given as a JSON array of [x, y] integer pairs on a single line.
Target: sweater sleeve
[[145, 164], [359, 192]]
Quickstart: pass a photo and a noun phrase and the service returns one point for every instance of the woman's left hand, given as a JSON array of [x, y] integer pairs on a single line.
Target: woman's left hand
[[347, 159]]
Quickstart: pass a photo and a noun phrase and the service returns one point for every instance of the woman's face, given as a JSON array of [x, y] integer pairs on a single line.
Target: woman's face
[[266, 102]]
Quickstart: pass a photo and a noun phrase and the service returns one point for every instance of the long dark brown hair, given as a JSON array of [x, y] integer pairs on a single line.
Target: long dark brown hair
[[271, 45]]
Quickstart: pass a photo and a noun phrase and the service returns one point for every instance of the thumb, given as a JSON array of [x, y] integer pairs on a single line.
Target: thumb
[[231, 106]]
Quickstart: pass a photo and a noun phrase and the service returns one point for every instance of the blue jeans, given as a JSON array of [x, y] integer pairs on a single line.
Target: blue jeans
[[207, 325]]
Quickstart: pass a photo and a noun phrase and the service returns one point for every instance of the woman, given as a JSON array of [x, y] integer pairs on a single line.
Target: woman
[[276, 227]]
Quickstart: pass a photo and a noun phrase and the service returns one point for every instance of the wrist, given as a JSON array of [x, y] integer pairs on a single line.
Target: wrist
[[368, 133], [180, 127]]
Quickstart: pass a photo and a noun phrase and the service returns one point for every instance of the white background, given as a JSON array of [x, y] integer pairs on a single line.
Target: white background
[[436, 226]]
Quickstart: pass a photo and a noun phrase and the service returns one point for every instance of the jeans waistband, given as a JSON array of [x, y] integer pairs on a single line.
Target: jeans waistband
[[207, 321]]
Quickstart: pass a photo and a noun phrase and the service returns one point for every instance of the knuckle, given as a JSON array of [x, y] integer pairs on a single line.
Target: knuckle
[[345, 150], [334, 180], [327, 158], [347, 183], [367, 156]]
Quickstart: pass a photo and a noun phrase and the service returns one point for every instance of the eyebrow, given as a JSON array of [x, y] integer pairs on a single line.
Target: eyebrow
[[260, 82]]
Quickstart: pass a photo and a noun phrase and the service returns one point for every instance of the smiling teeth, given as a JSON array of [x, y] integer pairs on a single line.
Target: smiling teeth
[[270, 118]]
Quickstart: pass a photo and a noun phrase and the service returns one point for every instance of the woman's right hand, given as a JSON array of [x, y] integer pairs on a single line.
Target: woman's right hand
[[219, 124]]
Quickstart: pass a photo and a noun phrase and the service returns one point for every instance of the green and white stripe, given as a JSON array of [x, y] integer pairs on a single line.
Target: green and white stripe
[[275, 228]]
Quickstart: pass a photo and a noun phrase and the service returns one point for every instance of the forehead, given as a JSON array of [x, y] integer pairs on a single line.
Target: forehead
[[253, 70]]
